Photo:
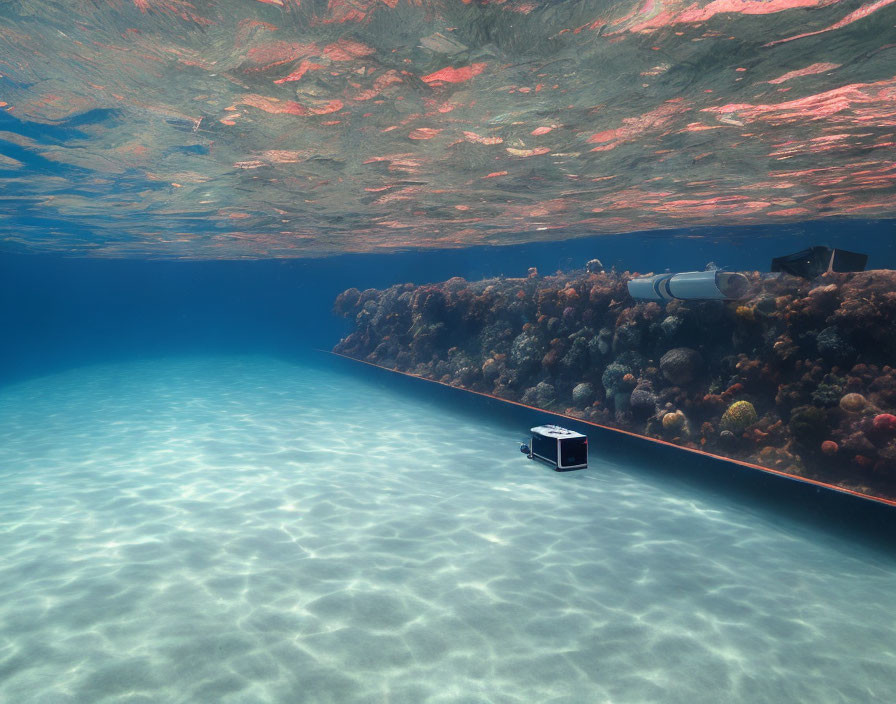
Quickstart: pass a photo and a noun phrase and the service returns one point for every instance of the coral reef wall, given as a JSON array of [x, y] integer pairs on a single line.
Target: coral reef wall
[[799, 377]]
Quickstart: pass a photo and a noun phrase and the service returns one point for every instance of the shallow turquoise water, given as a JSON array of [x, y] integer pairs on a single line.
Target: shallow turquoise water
[[247, 530]]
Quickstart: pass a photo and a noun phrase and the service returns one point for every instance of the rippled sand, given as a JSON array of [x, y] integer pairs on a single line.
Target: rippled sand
[[246, 530]]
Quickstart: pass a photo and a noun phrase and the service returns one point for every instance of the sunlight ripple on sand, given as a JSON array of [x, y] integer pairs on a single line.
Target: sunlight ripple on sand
[[247, 530]]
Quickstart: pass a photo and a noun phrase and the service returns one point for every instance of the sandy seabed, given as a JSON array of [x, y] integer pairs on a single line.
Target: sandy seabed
[[242, 529]]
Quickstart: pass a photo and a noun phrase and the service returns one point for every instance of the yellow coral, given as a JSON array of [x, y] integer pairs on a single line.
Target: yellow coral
[[745, 313], [739, 416], [853, 403], [673, 420]]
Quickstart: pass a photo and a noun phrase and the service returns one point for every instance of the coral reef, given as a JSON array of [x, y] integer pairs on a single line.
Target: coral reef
[[799, 376], [739, 416], [680, 365], [853, 403]]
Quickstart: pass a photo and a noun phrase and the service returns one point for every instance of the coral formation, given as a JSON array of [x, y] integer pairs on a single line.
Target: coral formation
[[582, 394], [809, 425], [739, 416], [853, 403], [800, 376], [673, 421], [885, 423], [680, 365]]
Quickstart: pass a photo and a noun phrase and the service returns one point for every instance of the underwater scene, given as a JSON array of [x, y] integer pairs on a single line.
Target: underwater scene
[[447, 351], [793, 375]]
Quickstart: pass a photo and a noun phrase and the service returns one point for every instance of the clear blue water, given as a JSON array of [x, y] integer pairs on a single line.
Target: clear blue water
[[246, 529], [62, 312]]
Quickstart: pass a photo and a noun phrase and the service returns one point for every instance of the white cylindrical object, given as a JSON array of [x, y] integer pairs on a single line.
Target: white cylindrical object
[[690, 285], [651, 288], [695, 285]]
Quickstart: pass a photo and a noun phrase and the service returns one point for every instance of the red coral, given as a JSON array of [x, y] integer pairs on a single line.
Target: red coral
[[885, 423], [732, 391], [863, 462]]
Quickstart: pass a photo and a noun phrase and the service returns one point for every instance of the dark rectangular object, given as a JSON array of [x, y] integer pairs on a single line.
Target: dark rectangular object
[[563, 449], [848, 261], [574, 452], [815, 261], [544, 447]]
